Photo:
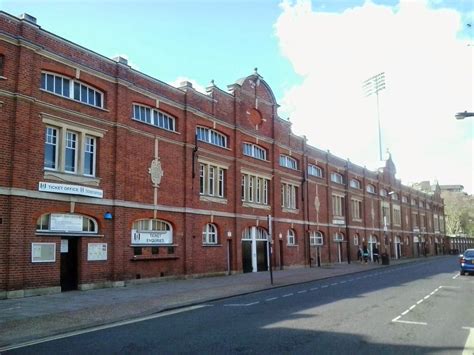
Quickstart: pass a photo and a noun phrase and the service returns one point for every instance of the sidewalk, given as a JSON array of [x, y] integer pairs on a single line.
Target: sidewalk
[[31, 318]]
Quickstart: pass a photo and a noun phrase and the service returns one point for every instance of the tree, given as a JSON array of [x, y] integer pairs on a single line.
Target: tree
[[459, 212]]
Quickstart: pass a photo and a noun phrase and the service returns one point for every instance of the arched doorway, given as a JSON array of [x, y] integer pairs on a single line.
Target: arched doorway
[[339, 240], [70, 228], [254, 249], [372, 244], [416, 246], [397, 247]]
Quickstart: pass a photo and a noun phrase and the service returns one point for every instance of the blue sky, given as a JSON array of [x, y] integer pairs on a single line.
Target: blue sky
[[314, 55]]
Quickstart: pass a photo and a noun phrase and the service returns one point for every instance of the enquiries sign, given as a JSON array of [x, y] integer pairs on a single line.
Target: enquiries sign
[[151, 237]]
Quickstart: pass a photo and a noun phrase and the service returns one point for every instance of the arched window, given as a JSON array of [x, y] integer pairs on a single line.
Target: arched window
[[355, 183], [315, 170], [209, 234], [370, 188], [291, 237], [316, 238], [338, 237], [337, 178], [383, 192], [66, 223]]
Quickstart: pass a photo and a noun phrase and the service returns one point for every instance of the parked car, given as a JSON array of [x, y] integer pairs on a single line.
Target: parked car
[[466, 261]]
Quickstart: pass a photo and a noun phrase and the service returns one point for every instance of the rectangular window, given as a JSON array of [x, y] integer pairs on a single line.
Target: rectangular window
[[60, 85], [338, 206], [397, 216], [356, 209], [211, 180], [289, 195], [385, 215], [254, 189], [89, 156], [71, 152], [51, 148]]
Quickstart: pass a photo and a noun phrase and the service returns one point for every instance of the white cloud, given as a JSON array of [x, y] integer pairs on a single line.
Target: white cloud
[[429, 77], [179, 80]]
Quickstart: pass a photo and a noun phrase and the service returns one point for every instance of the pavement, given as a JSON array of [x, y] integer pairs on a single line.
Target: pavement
[[27, 319]]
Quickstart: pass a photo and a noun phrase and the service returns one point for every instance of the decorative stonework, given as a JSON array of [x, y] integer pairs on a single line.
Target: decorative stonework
[[317, 203], [156, 172]]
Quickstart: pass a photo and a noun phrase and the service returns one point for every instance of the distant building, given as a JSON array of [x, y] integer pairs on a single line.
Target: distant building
[[109, 176]]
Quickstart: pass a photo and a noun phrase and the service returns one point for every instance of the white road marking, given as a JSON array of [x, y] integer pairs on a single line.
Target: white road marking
[[314, 288], [271, 299], [324, 286], [303, 291], [287, 295], [334, 284], [252, 303], [101, 327], [343, 282], [426, 297], [469, 346], [456, 276], [410, 322], [418, 302], [403, 313], [412, 307], [395, 319]]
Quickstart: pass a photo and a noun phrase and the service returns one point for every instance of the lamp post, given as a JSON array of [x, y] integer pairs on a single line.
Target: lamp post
[[463, 115], [372, 86]]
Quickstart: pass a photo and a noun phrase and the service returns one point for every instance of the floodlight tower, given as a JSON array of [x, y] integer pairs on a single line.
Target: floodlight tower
[[372, 86]]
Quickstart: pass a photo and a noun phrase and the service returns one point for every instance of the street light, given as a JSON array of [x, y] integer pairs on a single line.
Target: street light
[[463, 115]]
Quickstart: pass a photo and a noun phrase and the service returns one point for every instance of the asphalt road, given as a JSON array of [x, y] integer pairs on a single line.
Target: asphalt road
[[417, 308]]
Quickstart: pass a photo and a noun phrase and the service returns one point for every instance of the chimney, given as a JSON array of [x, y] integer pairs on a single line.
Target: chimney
[[121, 60], [29, 18]]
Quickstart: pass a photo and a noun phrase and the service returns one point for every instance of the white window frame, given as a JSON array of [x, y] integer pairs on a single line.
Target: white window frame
[[289, 194], [315, 170], [211, 180], [356, 209], [316, 238], [397, 215], [43, 224], [337, 178], [211, 136], [254, 151], [371, 189], [355, 184], [338, 205], [383, 193], [404, 199], [209, 234], [82, 135], [70, 94], [153, 117], [291, 237], [288, 162], [249, 189]]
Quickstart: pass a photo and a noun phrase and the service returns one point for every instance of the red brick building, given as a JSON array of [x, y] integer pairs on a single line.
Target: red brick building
[[108, 175]]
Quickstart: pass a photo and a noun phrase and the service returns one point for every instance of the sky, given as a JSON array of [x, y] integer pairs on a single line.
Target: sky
[[315, 55]]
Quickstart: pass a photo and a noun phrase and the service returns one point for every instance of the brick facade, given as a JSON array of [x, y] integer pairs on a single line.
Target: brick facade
[[124, 151]]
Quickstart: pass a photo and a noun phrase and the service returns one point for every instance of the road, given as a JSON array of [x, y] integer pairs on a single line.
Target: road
[[415, 308]]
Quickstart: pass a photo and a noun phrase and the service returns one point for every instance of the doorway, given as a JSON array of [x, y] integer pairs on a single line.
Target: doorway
[[254, 249], [69, 266]]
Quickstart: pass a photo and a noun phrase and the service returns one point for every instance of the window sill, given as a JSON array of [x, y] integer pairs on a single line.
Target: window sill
[[211, 245], [78, 179], [256, 205], [290, 210], [153, 257], [206, 198], [357, 219], [292, 245]]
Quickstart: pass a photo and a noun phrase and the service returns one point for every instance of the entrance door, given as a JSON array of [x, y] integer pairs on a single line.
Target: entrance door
[[262, 260], [247, 256], [69, 264]]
